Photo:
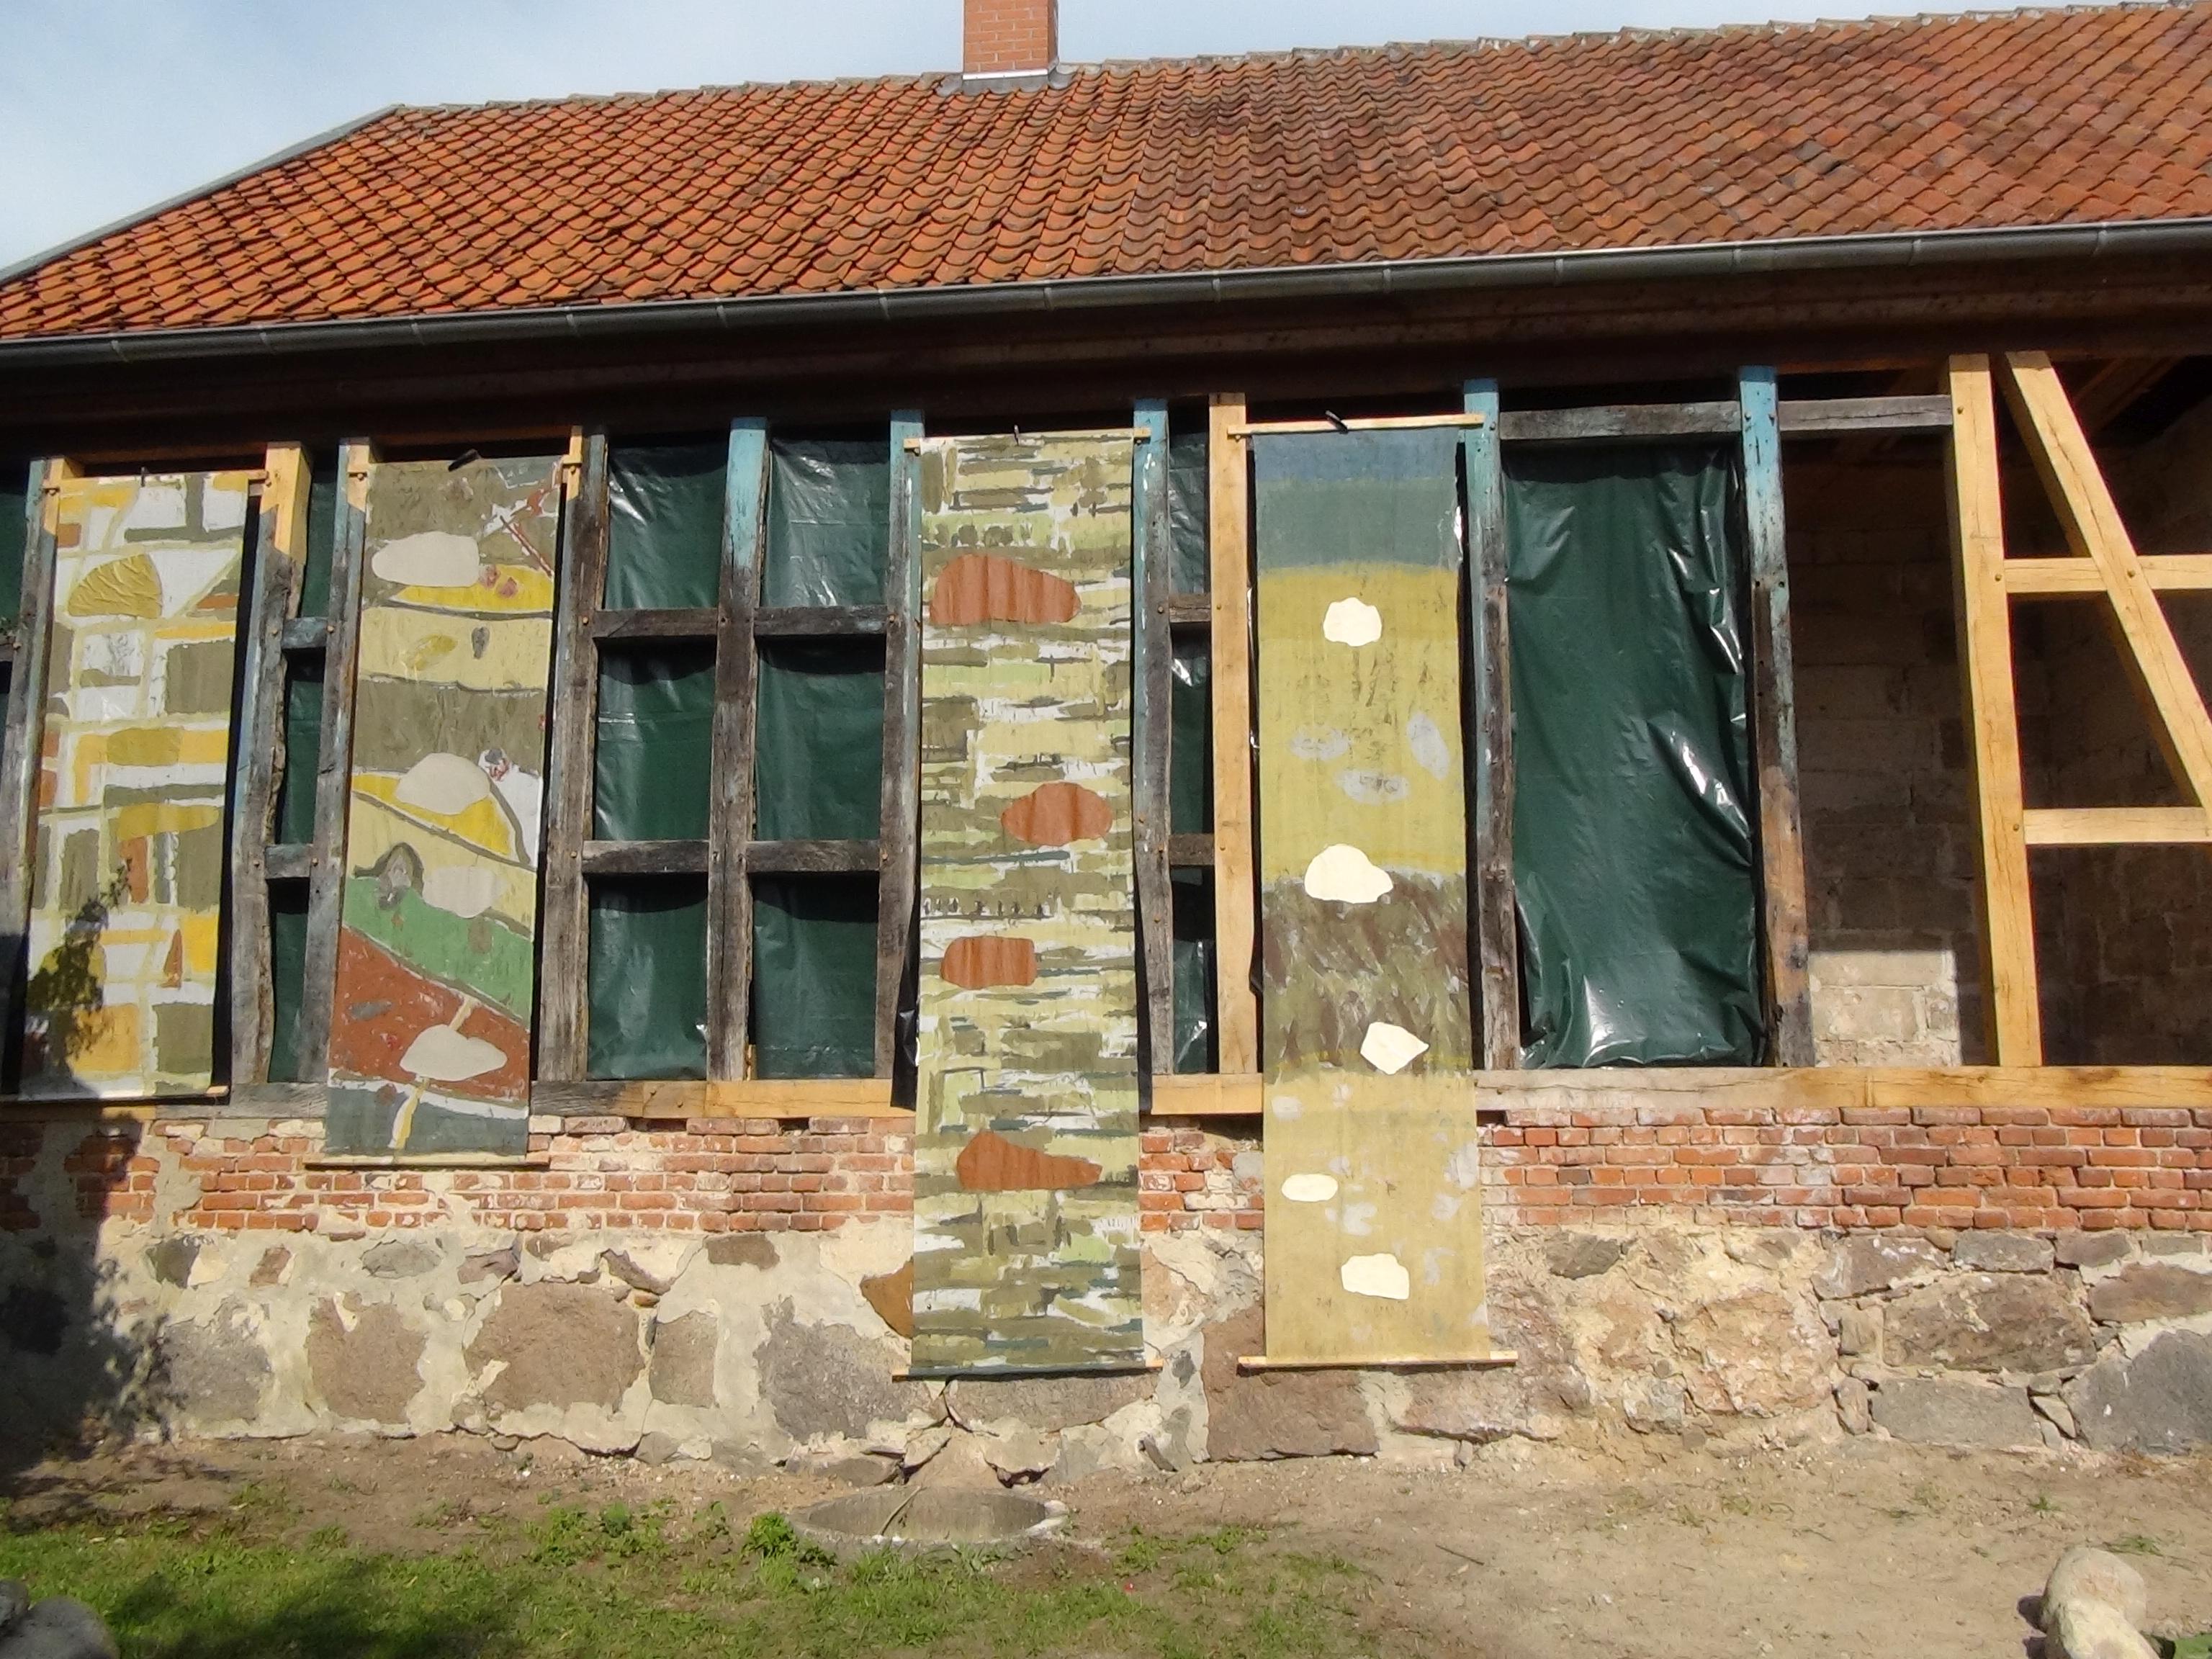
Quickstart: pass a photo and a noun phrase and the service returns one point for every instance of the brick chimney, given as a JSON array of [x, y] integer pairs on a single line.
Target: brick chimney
[[1010, 37]]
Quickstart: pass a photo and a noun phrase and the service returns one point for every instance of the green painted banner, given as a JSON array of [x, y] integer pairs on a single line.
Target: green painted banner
[[436, 979], [1025, 1179]]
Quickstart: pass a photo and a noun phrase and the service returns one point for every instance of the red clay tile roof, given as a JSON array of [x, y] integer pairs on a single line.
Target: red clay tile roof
[[2037, 117]]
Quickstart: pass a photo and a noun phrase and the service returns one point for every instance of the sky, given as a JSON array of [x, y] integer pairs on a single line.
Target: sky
[[107, 107]]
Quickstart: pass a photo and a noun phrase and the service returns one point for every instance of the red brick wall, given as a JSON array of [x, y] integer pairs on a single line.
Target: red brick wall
[[2019, 1167], [1007, 37], [2022, 1167]]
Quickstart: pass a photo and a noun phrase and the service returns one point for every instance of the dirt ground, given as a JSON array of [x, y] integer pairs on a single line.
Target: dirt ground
[[1865, 1548]]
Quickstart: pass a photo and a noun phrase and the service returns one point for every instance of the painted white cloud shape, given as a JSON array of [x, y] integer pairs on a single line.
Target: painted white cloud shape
[[430, 558], [1309, 1189], [1426, 740], [1347, 875], [1390, 1048], [1384, 1276], [1352, 622]]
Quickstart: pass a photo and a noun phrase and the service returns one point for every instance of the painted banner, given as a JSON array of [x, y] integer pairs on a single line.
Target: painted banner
[[126, 889], [1026, 1177], [1373, 1217], [436, 976]]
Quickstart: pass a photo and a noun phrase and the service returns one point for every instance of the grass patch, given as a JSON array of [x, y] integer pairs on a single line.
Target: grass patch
[[615, 1583]]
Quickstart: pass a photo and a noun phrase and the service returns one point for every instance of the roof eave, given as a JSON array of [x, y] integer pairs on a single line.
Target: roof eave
[[1377, 279]]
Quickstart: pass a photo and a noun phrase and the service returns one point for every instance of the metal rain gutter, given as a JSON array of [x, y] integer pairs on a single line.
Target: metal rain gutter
[[1379, 279]]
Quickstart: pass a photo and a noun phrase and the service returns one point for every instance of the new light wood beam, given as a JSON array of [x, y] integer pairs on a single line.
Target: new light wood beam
[[1993, 717], [2084, 578], [1236, 1013], [2118, 826], [2092, 522]]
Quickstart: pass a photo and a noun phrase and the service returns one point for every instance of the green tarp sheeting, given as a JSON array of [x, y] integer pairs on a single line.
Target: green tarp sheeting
[[303, 743], [819, 734], [288, 970], [322, 534], [814, 976], [650, 769], [649, 978], [1633, 824], [1190, 746], [664, 524], [1191, 895], [1187, 512], [15, 532], [829, 521]]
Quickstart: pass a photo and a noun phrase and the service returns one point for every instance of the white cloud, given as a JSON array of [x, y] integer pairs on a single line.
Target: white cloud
[[107, 105]]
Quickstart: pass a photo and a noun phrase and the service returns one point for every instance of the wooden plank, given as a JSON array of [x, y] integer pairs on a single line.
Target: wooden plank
[[690, 622], [1993, 717], [1489, 1358], [1824, 417], [778, 1097], [897, 882], [293, 863], [564, 904], [1153, 687], [305, 633], [1192, 851], [280, 553], [20, 750], [1628, 422], [819, 622], [643, 858], [1774, 730], [812, 857], [2094, 530], [1629, 1092], [1490, 738], [301, 1100], [2118, 826], [2070, 579], [334, 771], [1369, 423], [730, 815], [1229, 503], [1194, 611]]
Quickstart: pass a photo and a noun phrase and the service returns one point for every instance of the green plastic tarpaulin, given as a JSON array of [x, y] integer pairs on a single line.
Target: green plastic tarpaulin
[[1634, 825], [820, 738], [814, 976], [649, 978], [15, 535], [651, 771], [664, 524], [303, 745], [1188, 527], [288, 973], [829, 521]]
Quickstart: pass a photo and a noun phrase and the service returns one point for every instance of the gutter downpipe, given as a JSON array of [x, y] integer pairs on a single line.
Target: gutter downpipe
[[1383, 279]]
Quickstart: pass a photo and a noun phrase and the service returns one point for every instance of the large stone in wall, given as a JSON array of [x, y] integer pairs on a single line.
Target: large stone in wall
[[1990, 1323], [682, 1369], [213, 1370], [831, 1380], [1535, 1397], [2159, 1401], [559, 1346], [1934, 1411], [1276, 1413], [1876, 1261], [2151, 1290], [365, 1365], [1045, 1403], [1760, 1354]]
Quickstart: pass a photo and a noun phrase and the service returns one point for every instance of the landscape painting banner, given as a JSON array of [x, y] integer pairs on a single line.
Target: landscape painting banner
[[1025, 1177], [126, 886], [1373, 1214], [437, 976]]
